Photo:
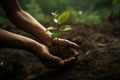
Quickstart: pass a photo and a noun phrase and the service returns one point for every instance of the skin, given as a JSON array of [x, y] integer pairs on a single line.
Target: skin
[[26, 22]]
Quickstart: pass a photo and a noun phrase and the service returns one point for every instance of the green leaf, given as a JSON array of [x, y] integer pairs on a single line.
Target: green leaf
[[55, 15], [55, 35], [51, 28], [63, 17], [65, 28], [55, 20]]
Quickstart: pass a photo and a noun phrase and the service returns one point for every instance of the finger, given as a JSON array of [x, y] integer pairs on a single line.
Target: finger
[[70, 44], [65, 42], [48, 56], [75, 52], [57, 60], [69, 60]]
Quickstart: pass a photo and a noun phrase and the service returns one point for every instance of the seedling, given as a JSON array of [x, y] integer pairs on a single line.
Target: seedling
[[56, 30], [59, 19]]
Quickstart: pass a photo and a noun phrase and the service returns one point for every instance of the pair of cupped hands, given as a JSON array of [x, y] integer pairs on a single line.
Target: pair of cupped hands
[[43, 51]]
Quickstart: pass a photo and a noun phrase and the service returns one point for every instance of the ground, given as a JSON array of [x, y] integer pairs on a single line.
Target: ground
[[99, 57]]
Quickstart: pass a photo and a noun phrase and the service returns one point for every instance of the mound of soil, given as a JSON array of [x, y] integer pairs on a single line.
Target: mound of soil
[[99, 57]]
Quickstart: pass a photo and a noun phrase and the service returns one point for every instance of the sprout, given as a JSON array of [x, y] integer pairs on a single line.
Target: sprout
[[59, 19]]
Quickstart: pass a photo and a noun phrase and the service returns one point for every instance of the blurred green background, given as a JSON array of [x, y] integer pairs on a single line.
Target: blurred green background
[[82, 11]]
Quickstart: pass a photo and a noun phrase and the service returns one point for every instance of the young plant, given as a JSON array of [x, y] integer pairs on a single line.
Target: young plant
[[59, 19]]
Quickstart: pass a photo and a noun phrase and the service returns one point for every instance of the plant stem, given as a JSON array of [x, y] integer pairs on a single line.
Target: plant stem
[[58, 38]]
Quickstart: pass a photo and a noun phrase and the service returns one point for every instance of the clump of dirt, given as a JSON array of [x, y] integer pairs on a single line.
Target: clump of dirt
[[98, 60], [63, 52]]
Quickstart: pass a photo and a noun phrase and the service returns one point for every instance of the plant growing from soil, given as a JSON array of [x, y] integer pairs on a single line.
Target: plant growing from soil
[[58, 20], [56, 30]]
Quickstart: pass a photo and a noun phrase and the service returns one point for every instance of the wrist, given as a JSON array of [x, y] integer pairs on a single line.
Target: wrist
[[44, 37], [48, 42], [31, 45], [55, 41]]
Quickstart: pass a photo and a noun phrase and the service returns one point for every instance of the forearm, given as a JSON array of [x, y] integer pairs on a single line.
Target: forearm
[[11, 40], [26, 22]]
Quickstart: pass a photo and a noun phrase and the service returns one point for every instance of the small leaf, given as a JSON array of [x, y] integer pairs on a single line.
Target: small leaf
[[63, 17], [55, 35], [55, 20], [55, 15], [65, 28], [51, 28]]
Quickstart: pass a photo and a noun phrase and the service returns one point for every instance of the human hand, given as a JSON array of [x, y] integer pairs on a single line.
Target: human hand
[[64, 42], [44, 54]]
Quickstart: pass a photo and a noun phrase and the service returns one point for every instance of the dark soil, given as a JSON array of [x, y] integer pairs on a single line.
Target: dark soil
[[99, 57]]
